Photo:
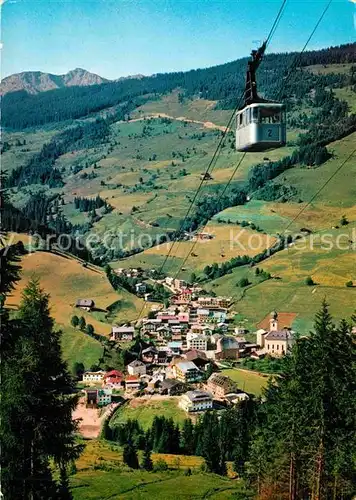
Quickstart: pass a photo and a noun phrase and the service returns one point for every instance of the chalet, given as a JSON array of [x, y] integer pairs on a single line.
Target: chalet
[[163, 332], [94, 377], [136, 368], [151, 325], [165, 318], [222, 302], [132, 383], [171, 387], [185, 295], [203, 315], [175, 347], [220, 385], [122, 333], [187, 372], [113, 379], [85, 304], [193, 401], [149, 354]]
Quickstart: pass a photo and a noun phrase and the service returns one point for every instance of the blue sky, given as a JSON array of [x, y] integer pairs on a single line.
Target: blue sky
[[121, 37]]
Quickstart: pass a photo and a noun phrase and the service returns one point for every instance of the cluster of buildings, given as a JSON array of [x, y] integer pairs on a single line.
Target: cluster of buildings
[[182, 377], [191, 323], [181, 344]]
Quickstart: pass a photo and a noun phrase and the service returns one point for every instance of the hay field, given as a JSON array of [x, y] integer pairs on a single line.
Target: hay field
[[66, 280], [228, 241]]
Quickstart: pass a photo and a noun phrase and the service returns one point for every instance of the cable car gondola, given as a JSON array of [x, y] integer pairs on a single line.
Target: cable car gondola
[[260, 124]]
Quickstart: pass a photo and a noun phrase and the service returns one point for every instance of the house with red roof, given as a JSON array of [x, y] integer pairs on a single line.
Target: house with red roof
[[114, 379], [132, 383]]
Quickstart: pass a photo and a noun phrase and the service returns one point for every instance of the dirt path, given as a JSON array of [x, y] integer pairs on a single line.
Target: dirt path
[[141, 223], [209, 125], [91, 419]]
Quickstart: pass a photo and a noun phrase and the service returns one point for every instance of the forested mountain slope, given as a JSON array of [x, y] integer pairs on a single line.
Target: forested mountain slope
[[127, 168], [222, 83]]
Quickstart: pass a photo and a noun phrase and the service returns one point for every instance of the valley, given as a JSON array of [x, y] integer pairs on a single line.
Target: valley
[[181, 275]]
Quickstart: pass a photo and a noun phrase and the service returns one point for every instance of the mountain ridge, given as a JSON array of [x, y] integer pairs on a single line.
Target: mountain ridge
[[34, 82]]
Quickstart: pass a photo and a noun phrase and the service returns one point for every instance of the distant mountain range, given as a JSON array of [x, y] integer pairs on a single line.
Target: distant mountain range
[[34, 82]]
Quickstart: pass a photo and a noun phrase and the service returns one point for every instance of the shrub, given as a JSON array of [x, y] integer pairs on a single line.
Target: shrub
[[160, 465], [243, 282], [74, 321]]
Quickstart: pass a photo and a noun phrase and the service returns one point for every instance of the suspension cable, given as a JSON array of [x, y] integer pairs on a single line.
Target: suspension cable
[[216, 154], [292, 67]]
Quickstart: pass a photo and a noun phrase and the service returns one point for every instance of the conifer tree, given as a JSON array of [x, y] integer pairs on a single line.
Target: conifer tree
[[38, 403], [130, 456], [147, 463], [306, 440], [82, 323]]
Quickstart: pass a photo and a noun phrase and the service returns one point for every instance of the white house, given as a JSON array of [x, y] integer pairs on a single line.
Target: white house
[[196, 401], [136, 368], [196, 341], [93, 377]]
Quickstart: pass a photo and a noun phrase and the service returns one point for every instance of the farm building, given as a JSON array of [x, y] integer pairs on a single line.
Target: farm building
[[85, 304], [123, 333]]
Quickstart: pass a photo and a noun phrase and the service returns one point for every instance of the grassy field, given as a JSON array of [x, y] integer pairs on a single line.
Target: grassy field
[[338, 193], [145, 409], [79, 347], [228, 241], [287, 291], [247, 381], [67, 280], [101, 475], [326, 69]]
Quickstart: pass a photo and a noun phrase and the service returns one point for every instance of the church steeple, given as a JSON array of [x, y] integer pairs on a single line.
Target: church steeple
[[273, 322]]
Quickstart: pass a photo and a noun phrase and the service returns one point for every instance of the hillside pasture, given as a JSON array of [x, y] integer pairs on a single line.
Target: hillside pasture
[[227, 242], [101, 474], [285, 320], [246, 380], [328, 257], [67, 280], [144, 409]]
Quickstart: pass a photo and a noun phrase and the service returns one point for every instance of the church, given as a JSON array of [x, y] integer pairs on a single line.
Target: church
[[275, 342]]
